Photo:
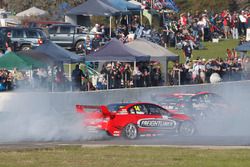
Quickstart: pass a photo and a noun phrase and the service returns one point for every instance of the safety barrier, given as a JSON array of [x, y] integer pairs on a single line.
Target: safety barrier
[[65, 101]]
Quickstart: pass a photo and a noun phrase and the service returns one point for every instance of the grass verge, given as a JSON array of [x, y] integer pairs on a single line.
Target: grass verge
[[212, 50], [128, 156]]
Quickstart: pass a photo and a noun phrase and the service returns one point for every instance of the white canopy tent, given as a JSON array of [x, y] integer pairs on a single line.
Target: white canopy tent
[[33, 11], [156, 52]]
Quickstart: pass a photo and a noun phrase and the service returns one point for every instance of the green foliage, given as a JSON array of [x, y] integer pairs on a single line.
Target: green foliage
[[212, 5], [43, 4], [213, 50]]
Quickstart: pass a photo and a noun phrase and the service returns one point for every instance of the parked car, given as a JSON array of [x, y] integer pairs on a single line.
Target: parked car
[[68, 36], [131, 120], [24, 38]]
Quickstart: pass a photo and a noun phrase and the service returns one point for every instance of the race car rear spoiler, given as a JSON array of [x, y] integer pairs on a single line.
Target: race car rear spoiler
[[89, 108]]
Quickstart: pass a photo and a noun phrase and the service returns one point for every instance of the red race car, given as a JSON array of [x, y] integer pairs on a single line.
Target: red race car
[[134, 119]]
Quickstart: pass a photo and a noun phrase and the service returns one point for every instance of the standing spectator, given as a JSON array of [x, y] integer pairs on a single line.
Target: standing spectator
[[183, 19], [95, 43], [88, 45], [187, 52], [195, 29], [146, 78], [201, 25], [243, 21], [2, 81], [127, 73], [8, 42], [226, 24], [165, 36], [60, 79], [235, 25], [18, 77], [137, 77], [77, 75], [156, 76], [117, 76], [43, 77], [9, 81]]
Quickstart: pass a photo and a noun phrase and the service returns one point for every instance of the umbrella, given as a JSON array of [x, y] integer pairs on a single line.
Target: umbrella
[[243, 47]]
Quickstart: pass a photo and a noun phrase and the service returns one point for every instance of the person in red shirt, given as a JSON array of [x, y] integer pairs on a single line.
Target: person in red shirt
[[229, 54]]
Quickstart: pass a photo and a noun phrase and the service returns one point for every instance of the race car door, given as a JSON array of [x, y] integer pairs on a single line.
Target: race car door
[[142, 117], [160, 118]]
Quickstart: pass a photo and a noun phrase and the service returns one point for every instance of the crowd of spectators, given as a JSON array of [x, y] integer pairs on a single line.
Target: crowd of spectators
[[186, 31], [204, 26], [6, 80], [123, 75], [201, 71]]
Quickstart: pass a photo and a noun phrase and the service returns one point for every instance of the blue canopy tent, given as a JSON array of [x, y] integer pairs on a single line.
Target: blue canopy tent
[[243, 47], [115, 50], [58, 53], [171, 5], [94, 8], [124, 5]]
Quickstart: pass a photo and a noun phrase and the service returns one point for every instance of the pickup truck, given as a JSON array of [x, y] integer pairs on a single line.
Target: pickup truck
[[68, 36]]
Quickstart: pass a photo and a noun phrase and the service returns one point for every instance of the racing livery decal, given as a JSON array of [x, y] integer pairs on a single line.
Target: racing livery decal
[[156, 123]]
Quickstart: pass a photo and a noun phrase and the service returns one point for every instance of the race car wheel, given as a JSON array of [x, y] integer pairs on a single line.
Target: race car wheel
[[187, 129], [130, 131]]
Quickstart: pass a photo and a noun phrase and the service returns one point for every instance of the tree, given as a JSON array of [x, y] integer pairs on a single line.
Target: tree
[[43, 4]]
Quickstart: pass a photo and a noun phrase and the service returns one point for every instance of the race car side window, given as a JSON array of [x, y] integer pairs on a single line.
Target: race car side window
[[156, 110], [138, 109]]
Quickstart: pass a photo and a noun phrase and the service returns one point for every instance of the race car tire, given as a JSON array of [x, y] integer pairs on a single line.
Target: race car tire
[[130, 131], [187, 128]]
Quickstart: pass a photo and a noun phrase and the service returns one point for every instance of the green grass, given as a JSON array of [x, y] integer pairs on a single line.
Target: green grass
[[124, 157], [213, 50]]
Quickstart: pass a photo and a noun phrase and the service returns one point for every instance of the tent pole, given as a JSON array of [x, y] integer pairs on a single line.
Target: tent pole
[[52, 79], [107, 82], [141, 16], [70, 79], [134, 65], [110, 26]]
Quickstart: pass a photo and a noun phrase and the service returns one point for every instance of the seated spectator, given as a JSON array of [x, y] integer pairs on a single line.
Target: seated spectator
[[95, 29]]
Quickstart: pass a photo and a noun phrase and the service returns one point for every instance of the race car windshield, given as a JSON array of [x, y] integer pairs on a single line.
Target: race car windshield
[[116, 107]]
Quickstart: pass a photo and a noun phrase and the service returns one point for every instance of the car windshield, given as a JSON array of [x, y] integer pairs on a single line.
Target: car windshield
[[116, 107], [172, 98]]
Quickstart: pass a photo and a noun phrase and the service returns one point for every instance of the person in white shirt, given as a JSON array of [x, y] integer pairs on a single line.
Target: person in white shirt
[[243, 21]]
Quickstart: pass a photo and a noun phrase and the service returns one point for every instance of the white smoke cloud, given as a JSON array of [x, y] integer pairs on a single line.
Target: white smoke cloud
[[34, 119]]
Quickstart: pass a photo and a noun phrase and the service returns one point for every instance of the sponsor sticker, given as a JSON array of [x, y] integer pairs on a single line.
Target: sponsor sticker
[[156, 123]]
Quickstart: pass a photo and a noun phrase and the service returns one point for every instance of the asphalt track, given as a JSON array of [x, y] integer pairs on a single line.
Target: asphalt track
[[208, 142]]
